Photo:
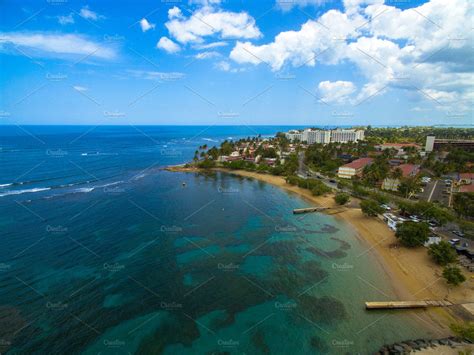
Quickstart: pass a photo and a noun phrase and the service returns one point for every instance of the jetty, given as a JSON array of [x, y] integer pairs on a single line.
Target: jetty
[[309, 209], [406, 304]]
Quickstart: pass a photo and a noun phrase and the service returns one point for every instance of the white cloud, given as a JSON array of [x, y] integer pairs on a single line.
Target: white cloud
[[66, 20], [211, 45], [56, 45], [79, 88], [336, 91], [168, 45], [207, 55], [223, 65], [209, 21], [312, 43], [145, 25], [287, 5], [88, 14], [425, 50]]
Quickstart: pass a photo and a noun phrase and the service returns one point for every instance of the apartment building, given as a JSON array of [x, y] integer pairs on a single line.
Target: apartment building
[[354, 168]]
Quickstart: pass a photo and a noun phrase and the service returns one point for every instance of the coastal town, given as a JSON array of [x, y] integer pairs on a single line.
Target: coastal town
[[418, 181]]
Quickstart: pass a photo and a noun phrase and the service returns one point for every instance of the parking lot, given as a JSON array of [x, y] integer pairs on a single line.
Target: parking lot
[[434, 191]]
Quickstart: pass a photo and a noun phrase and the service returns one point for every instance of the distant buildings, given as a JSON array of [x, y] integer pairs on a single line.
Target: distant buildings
[[347, 135], [432, 143], [400, 147], [354, 168], [312, 136], [408, 170]]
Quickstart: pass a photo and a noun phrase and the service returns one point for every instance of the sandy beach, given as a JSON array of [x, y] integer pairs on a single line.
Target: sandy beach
[[413, 275]]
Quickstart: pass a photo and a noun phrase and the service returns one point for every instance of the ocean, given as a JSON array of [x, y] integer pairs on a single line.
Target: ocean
[[102, 251]]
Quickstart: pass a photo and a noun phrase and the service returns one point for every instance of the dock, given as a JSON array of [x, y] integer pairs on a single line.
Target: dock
[[406, 304], [309, 209]]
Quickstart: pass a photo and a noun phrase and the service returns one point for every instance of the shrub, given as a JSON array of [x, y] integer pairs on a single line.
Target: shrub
[[453, 275], [341, 198], [413, 234], [370, 208], [443, 253], [206, 164]]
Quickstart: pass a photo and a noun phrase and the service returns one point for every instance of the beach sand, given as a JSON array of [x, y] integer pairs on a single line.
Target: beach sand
[[413, 275]]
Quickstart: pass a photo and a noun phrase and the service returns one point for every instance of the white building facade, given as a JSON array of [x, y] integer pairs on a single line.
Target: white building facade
[[312, 136], [316, 136], [347, 135]]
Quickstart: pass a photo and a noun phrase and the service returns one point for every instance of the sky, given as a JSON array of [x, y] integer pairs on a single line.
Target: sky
[[232, 62]]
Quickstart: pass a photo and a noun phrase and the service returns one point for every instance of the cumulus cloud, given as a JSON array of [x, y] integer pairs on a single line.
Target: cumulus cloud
[[336, 91], [88, 14], [424, 49], [168, 45], [56, 45], [210, 21], [145, 25]]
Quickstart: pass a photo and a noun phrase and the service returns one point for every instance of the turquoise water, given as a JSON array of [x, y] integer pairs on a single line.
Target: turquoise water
[[116, 256]]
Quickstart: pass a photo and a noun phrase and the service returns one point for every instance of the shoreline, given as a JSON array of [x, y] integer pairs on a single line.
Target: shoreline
[[411, 272]]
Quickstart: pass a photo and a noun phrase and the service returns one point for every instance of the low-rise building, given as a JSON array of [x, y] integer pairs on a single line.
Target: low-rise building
[[466, 178], [408, 170], [399, 147], [354, 168]]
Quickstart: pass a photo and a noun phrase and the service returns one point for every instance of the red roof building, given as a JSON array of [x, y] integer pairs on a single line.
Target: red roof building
[[353, 168]]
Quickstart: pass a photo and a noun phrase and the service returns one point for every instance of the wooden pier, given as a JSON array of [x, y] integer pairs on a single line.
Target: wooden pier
[[309, 209], [406, 304]]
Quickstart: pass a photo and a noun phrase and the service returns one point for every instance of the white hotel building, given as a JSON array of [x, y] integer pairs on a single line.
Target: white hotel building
[[347, 135], [312, 136]]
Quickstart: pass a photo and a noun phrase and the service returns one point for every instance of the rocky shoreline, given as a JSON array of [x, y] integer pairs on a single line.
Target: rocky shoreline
[[418, 345]]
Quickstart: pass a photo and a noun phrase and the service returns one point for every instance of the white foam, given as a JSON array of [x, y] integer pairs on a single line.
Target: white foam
[[84, 189], [20, 192], [4, 185]]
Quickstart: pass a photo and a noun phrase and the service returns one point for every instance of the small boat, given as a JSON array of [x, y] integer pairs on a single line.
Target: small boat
[[184, 184]]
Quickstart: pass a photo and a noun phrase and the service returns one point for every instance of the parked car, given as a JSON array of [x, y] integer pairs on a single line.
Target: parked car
[[459, 233], [454, 241], [333, 181], [385, 207]]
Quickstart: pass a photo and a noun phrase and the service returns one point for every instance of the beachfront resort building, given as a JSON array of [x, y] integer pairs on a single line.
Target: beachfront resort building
[[347, 135], [312, 136], [354, 168], [294, 135]]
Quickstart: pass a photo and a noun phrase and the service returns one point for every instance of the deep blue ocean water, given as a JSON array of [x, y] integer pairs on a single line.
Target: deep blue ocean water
[[102, 251]]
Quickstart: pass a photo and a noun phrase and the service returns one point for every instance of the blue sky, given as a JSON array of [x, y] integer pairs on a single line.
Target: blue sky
[[302, 62]]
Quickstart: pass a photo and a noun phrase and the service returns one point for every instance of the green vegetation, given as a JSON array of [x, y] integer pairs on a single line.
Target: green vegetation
[[370, 208], [206, 164], [409, 186], [426, 210], [453, 275], [316, 187], [341, 198], [442, 253], [465, 331], [415, 134], [463, 204], [412, 234]]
